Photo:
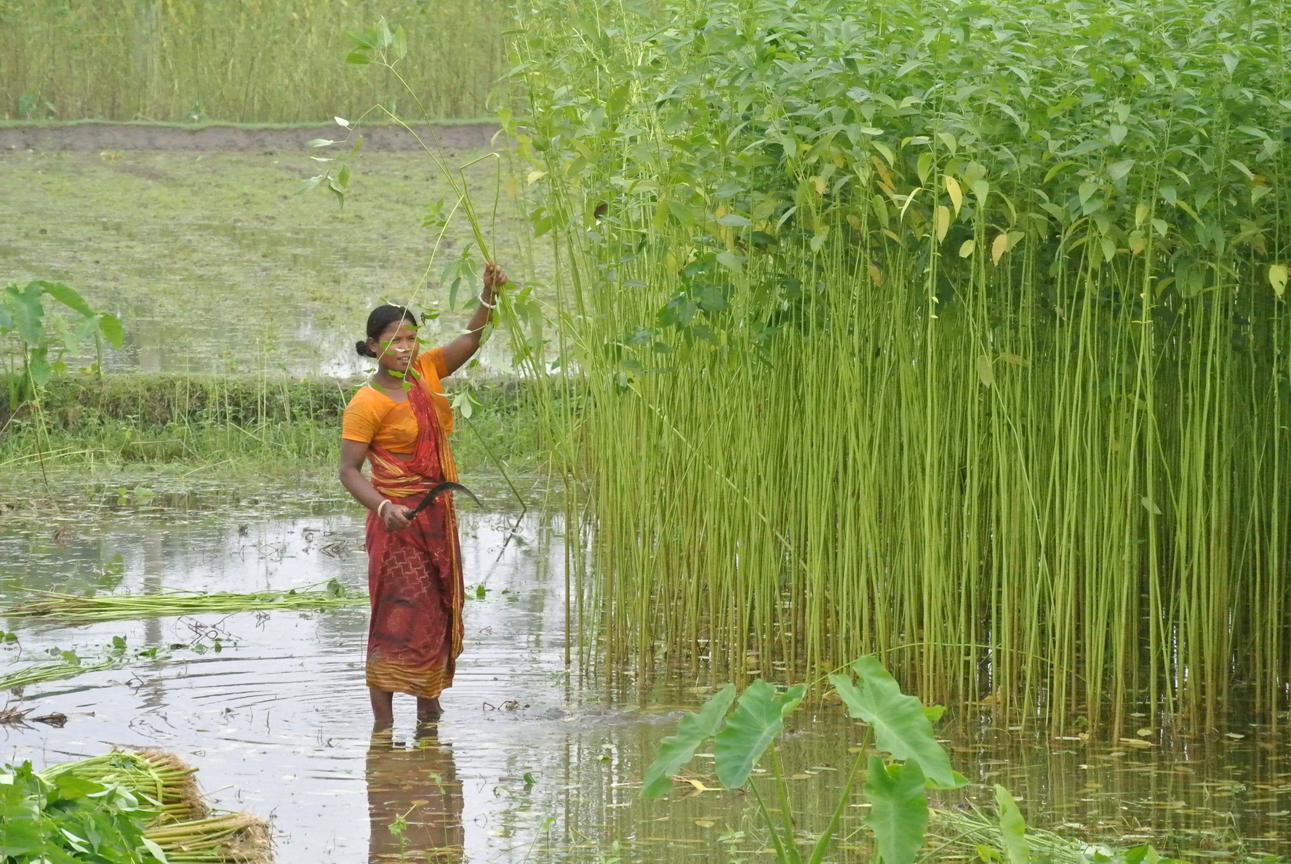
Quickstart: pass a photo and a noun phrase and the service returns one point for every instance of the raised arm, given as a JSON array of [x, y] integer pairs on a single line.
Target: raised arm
[[464, 347]]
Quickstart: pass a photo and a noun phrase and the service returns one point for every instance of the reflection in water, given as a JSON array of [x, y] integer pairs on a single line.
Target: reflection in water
[[414, 799], [279, 723]]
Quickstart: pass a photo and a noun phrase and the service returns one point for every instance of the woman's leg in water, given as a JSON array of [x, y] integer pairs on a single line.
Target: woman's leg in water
[[428, 709], [383, 708]]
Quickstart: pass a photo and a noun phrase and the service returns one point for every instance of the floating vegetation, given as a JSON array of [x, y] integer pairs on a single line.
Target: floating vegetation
[[130, 607], [122, 807], [963, 832], [953, 334], [965, 829], [54, 670]]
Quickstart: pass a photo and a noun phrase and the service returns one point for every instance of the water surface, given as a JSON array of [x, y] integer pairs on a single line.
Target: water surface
[[525, 764]]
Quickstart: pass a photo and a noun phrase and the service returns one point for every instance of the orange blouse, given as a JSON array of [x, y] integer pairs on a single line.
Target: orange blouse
[[374, 418]]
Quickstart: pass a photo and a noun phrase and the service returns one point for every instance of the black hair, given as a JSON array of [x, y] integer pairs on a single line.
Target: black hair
[[379, 321]]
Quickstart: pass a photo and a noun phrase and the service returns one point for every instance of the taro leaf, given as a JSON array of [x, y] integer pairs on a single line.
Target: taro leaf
[[898, 809], [1012, 827], [68, 297], [1145, 854], [900, 726], [756, 722], [110, 326], [38, 366], [26, 310], [679, 748], [84, 329]]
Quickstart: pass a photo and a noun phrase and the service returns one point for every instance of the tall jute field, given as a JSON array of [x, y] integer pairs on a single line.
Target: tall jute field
[[954, 332], [246, 61]]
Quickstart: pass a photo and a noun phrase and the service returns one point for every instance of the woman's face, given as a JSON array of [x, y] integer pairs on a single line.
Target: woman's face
[[397, 347]]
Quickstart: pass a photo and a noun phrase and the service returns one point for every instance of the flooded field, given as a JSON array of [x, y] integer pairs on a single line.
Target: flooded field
[[526, 764]]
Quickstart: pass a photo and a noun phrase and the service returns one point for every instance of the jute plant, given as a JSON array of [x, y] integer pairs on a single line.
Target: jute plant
[[952, 334]]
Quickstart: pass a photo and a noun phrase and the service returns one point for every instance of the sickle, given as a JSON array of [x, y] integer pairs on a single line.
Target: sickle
[[436, 490]]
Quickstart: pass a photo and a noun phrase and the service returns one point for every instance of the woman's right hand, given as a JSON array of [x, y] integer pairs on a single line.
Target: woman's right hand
[[395, 516]]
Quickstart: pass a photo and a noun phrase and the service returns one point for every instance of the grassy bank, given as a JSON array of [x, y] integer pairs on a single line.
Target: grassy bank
[[229, 427], [238, 61], [219, 267]]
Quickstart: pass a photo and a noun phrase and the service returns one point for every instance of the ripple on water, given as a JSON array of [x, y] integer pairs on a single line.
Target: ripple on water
[[278, 722]]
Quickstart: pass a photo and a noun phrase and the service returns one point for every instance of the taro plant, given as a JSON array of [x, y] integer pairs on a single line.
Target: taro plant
[[41, 339], [899, 758]]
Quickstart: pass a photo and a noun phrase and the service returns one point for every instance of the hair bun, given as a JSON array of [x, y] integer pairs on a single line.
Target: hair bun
[[363, 349]]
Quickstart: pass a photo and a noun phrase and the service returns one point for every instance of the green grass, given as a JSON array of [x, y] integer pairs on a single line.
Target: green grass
[[277, 61], [276, 438], [79, 608], [192, 126], [213, 264]]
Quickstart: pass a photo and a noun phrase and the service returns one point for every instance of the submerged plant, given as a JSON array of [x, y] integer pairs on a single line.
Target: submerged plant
[[897, 725]]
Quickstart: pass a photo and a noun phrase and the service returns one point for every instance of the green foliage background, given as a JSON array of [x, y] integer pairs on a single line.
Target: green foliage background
[[950, 331], [244, 61]]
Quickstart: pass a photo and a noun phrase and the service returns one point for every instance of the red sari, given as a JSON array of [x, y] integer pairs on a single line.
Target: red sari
[[415, 575]]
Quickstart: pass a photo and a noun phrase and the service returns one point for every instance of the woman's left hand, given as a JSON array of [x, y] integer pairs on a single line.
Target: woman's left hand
[[494, 278]]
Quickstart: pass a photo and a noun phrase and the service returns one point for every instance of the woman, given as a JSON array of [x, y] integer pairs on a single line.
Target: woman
[[399, 422]]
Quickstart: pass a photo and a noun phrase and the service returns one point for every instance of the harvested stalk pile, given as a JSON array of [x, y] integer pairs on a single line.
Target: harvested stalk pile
[[132, 607], [123, 806]]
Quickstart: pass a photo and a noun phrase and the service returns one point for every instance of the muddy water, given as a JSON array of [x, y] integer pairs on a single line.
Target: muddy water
[[525, 765]]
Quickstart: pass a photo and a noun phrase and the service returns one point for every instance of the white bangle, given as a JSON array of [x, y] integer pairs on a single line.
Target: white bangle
[[381, 507]]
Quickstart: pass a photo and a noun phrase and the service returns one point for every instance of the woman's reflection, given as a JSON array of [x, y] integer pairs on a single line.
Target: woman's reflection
[[414, 800]]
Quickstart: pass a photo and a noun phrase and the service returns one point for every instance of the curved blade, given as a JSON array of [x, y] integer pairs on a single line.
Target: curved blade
[[437, 490]]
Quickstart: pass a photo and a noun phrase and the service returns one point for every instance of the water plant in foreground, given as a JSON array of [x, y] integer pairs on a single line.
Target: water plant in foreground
[[37, 339], [897, 726], [129, 607], [899, 759], [56, 670]]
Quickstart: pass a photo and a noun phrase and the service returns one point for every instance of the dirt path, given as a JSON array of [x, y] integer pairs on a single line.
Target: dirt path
[[98, 136]]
